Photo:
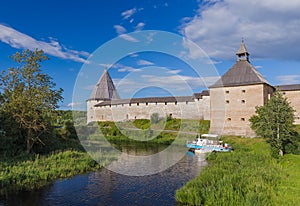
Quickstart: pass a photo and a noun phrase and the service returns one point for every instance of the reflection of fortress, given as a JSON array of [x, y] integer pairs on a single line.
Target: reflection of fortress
[[228, 104]]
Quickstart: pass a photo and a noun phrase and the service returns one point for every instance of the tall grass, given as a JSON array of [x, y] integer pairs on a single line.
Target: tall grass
[[247, 176], [28, 172]]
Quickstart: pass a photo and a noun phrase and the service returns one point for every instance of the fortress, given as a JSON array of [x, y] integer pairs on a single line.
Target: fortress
[[228, 104]]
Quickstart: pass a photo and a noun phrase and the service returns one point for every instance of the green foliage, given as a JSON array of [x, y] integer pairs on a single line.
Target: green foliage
[[34, 171], [68, 130], [142, 123], [247, 176], [154, 118], [29, 97], [274, 121]]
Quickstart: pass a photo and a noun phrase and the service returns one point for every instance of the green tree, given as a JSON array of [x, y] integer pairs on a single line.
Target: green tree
[[274, 121], [154, 118], [29, 96]]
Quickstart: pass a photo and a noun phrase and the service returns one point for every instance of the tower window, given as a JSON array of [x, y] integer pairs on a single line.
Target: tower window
[[176, 103], [129, 104], [155, 103], [166, 103], [137, 104], [146, 103], [186, 102]]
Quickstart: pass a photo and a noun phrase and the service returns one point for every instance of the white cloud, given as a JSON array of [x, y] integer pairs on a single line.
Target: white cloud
[[128, 13], [270, 28], [120, 29], [123, 68], [121, 32], [174, 71], [74, 104], [139, 26], [144, 63], [289, 79], [128, 38], [20, 40]]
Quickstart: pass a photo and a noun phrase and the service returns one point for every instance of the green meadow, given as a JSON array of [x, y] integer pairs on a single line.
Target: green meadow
[[247, 176]]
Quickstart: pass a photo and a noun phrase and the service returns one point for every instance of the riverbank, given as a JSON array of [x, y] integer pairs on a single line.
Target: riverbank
[[26, 172], [247, 176]]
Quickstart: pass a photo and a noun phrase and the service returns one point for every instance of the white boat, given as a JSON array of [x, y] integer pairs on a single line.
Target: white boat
[[200, 145]]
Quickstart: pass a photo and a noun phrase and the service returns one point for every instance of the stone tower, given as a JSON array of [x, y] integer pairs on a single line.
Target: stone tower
[[104, 90], [235, 95]]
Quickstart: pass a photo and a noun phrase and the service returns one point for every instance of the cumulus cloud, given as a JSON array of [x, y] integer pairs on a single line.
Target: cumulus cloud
[[20, 40], [270, 28]]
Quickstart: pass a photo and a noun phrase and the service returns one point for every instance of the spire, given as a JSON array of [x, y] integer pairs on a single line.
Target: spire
[[105, 88], [242, 53]]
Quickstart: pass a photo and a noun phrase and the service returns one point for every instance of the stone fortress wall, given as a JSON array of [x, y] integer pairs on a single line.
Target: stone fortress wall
[[228, 104]]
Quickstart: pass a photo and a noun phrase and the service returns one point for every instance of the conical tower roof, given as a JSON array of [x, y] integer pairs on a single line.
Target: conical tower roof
[[104, 89]]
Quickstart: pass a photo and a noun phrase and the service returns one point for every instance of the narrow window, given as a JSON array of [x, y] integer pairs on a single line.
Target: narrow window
[[176, 103], [243, 101], [186, 102], [227, 101], [243, 91], [242, 119], [166, 103], [229, 119], [137, 104], [127, 116], [155, 103], [129, 104], [227, 92], [146, 103]]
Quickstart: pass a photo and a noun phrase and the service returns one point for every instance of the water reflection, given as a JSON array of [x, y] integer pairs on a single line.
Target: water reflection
[[108, 188]]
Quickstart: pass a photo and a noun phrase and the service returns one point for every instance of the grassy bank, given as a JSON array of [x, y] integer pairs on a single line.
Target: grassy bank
[[247, 176], [34, 171], [164, 132]]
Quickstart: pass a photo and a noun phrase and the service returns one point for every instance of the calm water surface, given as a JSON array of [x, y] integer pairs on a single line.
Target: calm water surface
[[108, 188]]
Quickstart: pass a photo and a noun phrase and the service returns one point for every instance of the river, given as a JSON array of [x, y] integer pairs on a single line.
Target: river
[[105, 187]]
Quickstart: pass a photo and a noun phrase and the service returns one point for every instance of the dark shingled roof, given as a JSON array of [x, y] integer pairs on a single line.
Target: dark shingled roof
[[104, 89], [147, 99], [242, 73], [200, 95], [290, 87]]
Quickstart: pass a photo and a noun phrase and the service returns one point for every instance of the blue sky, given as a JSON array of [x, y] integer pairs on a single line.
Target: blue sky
[[69, 32]]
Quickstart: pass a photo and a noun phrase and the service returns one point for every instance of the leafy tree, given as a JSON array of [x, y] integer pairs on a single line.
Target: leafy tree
[[29, 96], [274, 121], [154, 118]]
